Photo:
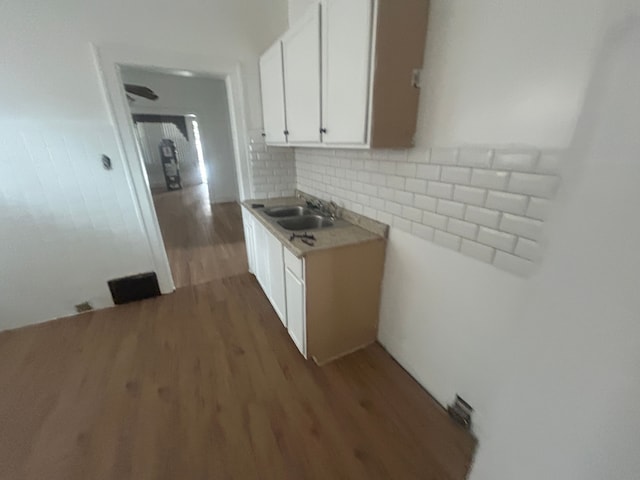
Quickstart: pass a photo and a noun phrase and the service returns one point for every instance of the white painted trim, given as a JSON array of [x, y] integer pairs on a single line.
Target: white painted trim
[[108, 59]]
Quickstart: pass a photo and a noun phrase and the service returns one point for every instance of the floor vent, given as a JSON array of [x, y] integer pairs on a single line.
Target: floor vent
[[135, 287], [461, 412]]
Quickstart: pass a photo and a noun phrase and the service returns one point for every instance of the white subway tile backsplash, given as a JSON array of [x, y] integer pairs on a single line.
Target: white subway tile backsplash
[[472, 157], [528, 249], [513, 264], [532, 184], [522, 226], [416, 185], [477, 250], [429, 172], [469, 195], [489, 179], [523, 161], [450, 209], [425, 202], [440, 190], [507, 202], [422, 231], [394, 181], [405, 198], [549, 163], [447, 240], [538, 208], [387, 193], [444, 156], [486, 203], [402, 223], [462, 228], [500, 240], [406, 169], [482, 216], [393, 208], [411, 213], [434, 220], [456, 174]]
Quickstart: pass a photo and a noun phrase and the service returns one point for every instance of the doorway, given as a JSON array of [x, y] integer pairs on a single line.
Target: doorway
[[182, 126]]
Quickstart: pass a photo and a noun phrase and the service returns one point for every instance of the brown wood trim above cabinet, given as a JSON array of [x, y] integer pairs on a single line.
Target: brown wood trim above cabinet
[[401, 31]]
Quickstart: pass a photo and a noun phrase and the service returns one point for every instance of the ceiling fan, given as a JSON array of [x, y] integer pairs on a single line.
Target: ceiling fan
[[139, 91]]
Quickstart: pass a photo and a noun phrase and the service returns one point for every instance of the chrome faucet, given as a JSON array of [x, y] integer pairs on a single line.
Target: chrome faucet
[[327, 209]]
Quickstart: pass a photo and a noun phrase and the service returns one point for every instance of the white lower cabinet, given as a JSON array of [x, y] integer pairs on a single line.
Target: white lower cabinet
[[275, 262], [249, 238], [281, 276], [296, 303]]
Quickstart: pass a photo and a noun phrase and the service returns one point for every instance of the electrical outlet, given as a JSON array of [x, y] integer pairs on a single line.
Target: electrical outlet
[[84, 307], [460, 411]]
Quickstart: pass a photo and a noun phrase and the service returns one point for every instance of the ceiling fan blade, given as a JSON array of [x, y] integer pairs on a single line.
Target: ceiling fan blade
[[140, 91]]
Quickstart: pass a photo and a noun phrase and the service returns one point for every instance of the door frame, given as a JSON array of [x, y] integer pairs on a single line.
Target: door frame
[[108, 60]]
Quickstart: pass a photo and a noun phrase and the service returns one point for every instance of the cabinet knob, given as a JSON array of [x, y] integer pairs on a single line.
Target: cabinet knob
[[263, 134], [323, 130], [286, 132]]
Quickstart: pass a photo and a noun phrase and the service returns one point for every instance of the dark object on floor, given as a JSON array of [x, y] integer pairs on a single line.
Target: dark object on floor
[[308, 236], [461, 412], [136, 287]]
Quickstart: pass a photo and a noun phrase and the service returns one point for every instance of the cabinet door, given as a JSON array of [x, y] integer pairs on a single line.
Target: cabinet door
[[301, 53], [273, 101], [261, 257], [296, 324], [249, 239], [346, 26], [276, 277]]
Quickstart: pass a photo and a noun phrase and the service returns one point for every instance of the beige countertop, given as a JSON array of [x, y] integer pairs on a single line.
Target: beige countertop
[[344, 232]]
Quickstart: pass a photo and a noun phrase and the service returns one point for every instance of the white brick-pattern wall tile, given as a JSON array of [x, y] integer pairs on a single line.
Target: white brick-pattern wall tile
[[512, 263], [440, 190], [273, 171], [482, 216], [477, 250], [447, 240], [450, 209], [519, 161], [530, 184], [469, 195], [494, 238], [507, 202], [487, 203]]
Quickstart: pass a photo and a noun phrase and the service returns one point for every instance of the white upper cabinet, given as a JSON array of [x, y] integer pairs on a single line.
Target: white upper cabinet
[[273, 101], [301, 56], [350, 74], [346, 41]]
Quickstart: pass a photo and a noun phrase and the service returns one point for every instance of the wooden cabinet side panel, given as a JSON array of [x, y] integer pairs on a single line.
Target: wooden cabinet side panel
[[343, 299], [401, 29]]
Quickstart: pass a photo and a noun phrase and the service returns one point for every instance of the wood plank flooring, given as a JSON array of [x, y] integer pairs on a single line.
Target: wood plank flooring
[[206, 384], [204, 242]]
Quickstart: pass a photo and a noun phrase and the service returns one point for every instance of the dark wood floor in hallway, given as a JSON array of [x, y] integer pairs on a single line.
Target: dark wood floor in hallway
[[204, 242], [206, 384]]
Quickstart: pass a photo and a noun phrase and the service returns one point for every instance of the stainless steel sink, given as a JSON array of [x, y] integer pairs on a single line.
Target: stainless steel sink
[[306, 222], [287, 211]]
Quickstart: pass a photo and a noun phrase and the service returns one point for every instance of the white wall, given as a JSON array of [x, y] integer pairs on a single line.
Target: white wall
[[207, 99], [67, 225], [550, 363]]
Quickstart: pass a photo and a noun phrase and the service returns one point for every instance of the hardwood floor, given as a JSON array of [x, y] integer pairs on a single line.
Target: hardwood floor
[[204, 242], [206, 384]]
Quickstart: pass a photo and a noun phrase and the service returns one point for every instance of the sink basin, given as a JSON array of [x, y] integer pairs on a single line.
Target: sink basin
[[287, 211], [305, 222]]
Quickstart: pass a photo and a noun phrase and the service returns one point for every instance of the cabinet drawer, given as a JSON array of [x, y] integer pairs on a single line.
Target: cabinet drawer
[[293, 263]]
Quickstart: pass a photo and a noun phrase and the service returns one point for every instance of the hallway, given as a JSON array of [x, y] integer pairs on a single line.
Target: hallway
[[204, 242]]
